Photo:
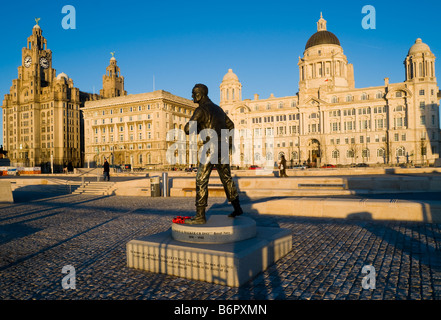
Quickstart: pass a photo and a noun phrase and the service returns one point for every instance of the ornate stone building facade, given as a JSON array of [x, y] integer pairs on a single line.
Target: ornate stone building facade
[[46, 120], [41, 113], [331, 121], [133, 129]]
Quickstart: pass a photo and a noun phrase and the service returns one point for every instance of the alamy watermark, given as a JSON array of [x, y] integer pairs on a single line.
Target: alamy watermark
[[245, 148], [69, 281], [369, 20], [368, 281], [70, 19]]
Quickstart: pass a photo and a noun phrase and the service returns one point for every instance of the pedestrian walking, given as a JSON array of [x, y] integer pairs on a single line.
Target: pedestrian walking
[[282, 166], [106, 171]]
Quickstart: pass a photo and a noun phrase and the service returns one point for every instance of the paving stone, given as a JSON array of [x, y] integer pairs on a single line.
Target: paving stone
[[90, 233]]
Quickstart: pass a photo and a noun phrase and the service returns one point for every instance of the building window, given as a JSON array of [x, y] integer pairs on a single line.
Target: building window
[[350, 153], [365, 153], [380, 152], [335, 154], [423, 120], [380, 123], [335, 126], [400, 152], [422, 92]]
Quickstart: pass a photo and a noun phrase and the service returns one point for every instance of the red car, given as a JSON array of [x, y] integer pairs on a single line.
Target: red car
[[253, 167], [328, 166]]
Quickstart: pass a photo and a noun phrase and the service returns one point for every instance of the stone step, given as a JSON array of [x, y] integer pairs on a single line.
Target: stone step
[[345, 208], [95, 188], [259, 182]]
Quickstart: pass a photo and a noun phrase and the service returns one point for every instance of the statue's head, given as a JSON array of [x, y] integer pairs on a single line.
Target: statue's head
[[199, 92]]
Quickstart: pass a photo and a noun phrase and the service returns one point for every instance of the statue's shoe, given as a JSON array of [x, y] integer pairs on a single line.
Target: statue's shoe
[[235, 213]]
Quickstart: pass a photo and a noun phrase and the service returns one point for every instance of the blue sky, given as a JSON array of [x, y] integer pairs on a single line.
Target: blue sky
[[181, 43]]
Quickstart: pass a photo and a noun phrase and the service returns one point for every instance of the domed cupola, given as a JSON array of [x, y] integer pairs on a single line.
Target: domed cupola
[[420, 62], [418, 47], [230, 88], [323, 65], [322, 36]]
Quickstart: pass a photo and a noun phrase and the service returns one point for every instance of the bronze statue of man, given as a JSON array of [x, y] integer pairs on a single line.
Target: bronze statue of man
[[210, 116]]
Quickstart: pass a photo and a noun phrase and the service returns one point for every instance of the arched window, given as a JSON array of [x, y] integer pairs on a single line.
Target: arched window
[[379, 95], [348, 98], [381, 152], [335, 154], [334, 99], [350, 153], [294, 155], [364, 96], [420, 69], [401, 151]]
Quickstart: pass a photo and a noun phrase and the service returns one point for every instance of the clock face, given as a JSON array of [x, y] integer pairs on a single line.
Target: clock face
[[44, 63], [27, 61]]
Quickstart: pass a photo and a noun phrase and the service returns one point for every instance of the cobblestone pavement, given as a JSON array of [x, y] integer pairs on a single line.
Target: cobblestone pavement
[[39, 236]]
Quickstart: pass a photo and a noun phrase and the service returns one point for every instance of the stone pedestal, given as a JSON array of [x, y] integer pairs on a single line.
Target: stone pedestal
[[218, 229], [224, 251]]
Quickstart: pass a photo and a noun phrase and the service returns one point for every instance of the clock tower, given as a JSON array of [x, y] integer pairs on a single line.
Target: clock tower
[[37, 60], [41, 113]]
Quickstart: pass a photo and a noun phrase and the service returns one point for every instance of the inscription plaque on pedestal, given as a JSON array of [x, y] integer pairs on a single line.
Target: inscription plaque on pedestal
[[218, 229]]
